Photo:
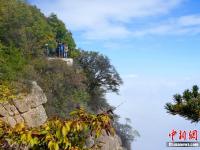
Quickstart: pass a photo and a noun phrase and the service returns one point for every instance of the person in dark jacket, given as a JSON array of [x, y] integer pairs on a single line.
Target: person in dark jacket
[[59, 50], [62, 48]]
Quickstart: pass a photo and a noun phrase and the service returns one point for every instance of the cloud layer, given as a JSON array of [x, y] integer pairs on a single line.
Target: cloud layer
[[110, 19]]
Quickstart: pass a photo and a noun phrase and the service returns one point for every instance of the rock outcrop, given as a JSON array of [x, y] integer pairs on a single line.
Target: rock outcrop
[[107, 142], [111, 142], [28, 109]]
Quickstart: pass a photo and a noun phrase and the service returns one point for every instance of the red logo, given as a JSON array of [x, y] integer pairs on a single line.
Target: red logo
[[183, 135]]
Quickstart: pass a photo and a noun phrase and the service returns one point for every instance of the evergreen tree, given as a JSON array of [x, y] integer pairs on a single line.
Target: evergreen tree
[[186, 105]]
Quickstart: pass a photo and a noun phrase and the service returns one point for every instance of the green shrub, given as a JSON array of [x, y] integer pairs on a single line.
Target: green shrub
[[12, 63], [63, 85]]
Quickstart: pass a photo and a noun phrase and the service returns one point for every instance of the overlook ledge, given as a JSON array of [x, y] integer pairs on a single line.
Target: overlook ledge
[[69, 61]]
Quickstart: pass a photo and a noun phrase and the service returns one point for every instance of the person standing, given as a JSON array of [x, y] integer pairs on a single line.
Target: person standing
[[47, 49], [59, 49], [62, 50], [65, 51]]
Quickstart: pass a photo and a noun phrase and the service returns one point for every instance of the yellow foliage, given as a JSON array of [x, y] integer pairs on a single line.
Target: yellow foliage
[[6, 93], [57, 134]]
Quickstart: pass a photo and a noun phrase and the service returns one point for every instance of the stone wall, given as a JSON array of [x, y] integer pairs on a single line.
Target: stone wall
[[27, 109]]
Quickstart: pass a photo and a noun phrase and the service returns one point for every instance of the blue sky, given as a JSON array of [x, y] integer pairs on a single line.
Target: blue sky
[[154, 45]]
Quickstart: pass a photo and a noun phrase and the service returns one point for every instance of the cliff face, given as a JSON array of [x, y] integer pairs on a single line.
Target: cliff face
[[107, 142], [28, 109], [111, 142]]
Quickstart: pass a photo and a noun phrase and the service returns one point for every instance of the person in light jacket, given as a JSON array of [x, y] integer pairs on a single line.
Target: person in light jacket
[[65, 51]]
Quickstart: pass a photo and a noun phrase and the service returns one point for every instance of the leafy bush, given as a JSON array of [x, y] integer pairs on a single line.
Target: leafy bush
[[11, 63], [24, 27], [6, 93], [57, 134], [63, 85]]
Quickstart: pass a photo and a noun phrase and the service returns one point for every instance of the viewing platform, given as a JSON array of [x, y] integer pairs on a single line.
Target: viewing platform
[[69, 61]]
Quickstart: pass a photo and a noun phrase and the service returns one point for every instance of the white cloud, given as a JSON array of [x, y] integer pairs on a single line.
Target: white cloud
[[111, 19], [189, 24], [108, 31], [145, 100], [100, 19], [190, 20]]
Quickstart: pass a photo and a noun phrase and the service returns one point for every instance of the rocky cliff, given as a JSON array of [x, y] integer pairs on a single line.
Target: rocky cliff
[[107, 142], [27, 109], [111, 142]]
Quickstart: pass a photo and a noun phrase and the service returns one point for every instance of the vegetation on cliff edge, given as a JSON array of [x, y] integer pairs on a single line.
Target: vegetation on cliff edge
[[24, 31]]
